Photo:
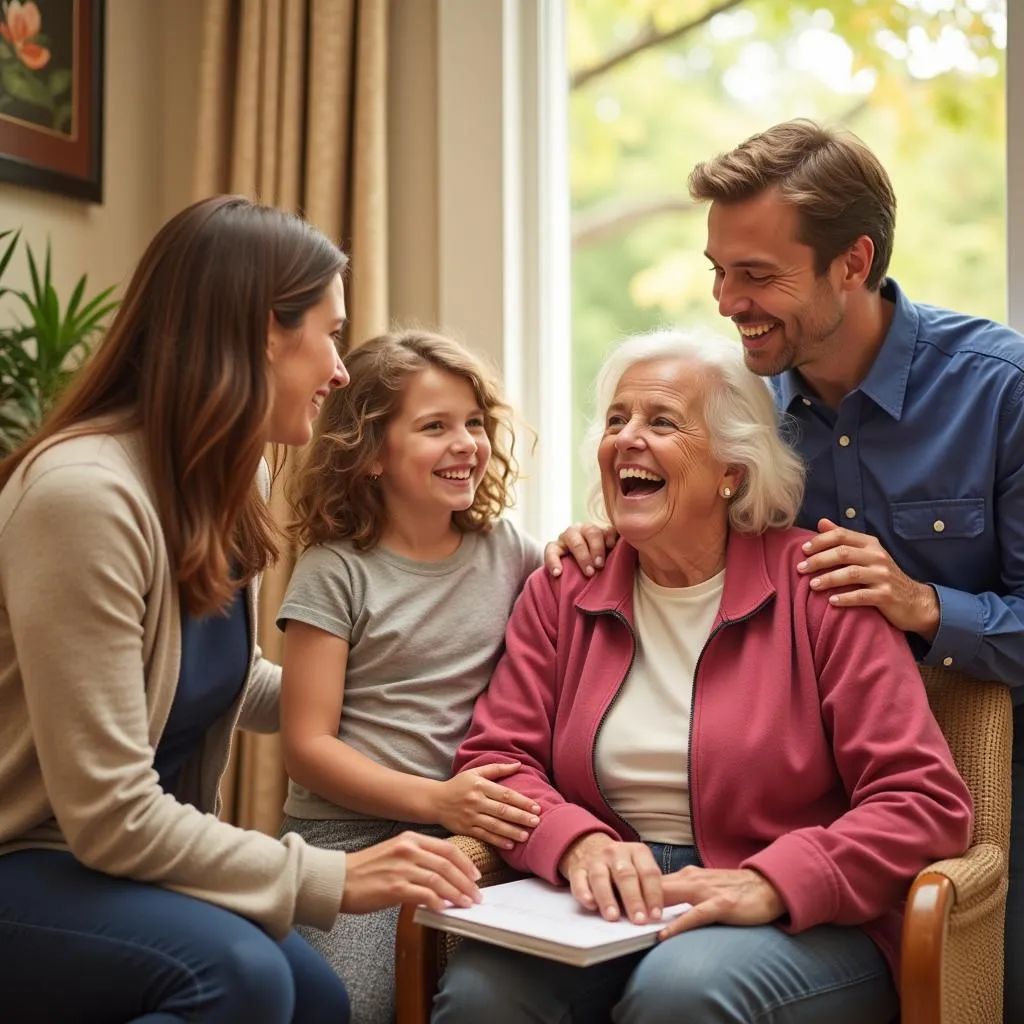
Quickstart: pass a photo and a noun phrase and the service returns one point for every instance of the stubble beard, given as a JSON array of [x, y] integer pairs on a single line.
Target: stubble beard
[[811, 339]]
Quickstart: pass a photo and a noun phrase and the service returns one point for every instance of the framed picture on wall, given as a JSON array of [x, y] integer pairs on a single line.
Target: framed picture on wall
[[51, 95]]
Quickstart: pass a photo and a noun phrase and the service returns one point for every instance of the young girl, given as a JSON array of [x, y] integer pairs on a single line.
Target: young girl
[[394, 620]]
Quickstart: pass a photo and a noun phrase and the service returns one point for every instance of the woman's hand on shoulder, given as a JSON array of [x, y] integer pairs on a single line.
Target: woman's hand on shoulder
[[409, 868], [614, 878], [721, 896], [474, 803], [587, 543]]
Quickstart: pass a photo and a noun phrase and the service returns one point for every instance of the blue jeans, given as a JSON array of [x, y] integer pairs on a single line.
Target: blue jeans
[[712, 975], [81, 947]]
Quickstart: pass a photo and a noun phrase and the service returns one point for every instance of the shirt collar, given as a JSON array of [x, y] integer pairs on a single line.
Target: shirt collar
[[886, 382]]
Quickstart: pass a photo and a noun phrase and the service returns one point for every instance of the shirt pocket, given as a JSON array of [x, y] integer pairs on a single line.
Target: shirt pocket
[[951, 518]]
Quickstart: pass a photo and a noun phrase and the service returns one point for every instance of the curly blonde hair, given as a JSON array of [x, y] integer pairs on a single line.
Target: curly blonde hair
[[333, 495]]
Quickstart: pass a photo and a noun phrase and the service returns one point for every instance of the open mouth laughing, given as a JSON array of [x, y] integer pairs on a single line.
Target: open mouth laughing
[[637, 482]]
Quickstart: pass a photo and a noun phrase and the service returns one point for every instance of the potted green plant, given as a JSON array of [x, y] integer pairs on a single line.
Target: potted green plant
[[40, 353]]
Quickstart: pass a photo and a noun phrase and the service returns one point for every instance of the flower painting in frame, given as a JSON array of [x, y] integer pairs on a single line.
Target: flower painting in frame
[[51, 95]]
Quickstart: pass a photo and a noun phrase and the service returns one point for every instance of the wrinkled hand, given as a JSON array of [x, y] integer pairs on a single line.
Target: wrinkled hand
[[409, 868], [604, 872], [472, 804], [587, 543], [847, 558], [737, 897]]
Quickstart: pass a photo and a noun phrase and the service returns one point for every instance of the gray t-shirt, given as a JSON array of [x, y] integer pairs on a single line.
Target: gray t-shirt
[[423, 639]]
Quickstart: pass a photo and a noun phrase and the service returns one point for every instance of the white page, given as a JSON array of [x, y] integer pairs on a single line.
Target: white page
[[533, 907]]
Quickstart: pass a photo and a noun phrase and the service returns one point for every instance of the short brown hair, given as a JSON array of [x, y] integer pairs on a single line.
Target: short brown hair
[[185, 363], [838, 186], [333, 495]]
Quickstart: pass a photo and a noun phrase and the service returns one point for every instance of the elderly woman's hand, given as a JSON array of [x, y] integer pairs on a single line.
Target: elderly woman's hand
[[720, 896], [604, 872]]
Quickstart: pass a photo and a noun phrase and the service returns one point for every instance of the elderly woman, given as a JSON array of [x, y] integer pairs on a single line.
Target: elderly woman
[[699, 725]]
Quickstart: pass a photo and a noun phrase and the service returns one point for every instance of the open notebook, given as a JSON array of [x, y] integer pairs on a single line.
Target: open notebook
[[534, 917]]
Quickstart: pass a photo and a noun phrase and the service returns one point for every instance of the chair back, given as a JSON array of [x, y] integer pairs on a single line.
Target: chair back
[[976, 718]]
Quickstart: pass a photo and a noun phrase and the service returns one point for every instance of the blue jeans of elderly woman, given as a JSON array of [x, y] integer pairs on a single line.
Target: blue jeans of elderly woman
[[711, 975]]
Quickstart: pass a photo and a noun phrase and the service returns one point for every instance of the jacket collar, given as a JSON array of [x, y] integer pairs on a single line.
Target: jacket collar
[[886, 382], [747, 582]]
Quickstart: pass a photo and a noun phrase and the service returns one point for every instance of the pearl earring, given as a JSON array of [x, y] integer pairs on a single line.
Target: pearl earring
[[726, 492]]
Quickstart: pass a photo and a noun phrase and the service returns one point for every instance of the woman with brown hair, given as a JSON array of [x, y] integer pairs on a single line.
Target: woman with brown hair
[[133, 529]]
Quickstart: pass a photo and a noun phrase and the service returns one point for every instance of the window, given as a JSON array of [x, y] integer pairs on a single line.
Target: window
[[657, 86], [924, 82]]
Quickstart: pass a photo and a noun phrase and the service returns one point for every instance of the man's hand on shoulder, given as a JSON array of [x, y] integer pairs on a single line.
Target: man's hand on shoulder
[[838, 557]]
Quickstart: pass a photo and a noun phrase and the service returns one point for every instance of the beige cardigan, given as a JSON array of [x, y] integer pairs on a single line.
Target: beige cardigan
[[90, 647]]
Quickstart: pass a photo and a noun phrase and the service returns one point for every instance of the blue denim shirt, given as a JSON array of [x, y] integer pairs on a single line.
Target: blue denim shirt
[[928, 456]]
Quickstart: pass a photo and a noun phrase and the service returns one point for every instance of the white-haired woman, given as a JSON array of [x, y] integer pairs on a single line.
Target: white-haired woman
[[699, 725]]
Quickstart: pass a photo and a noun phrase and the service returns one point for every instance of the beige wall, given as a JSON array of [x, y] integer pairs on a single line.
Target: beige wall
[[151, 95], [149, 65]]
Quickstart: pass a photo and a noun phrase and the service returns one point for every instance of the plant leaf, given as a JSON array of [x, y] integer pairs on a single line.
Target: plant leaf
[[8, 253], [37, 289], [76, 298]]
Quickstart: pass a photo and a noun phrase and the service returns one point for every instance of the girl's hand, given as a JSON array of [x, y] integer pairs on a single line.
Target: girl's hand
[[410, 868], [587, 543], [721, 896], [472, 804], [604, 872]]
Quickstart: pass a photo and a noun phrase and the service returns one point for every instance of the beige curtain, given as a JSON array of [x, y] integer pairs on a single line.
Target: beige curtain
[[292, 111]]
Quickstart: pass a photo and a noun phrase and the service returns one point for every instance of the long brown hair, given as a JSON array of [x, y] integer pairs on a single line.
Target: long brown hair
[[185, 364], [333, 495]]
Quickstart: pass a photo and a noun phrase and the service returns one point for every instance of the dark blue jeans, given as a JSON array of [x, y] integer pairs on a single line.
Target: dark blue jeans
[[81, 947]]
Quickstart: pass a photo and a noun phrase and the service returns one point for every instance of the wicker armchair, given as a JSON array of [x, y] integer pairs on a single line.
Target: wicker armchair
[[953, 931]]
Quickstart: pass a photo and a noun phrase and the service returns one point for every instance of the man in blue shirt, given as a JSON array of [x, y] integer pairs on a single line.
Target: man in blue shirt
[[910, 418]]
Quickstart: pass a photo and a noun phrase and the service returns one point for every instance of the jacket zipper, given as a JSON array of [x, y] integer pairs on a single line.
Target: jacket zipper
[[593, 748], [693, 697]]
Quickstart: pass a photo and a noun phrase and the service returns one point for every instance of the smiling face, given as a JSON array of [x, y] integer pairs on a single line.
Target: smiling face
[[436, 448], [305, 366], [662, 487], [765, 282]]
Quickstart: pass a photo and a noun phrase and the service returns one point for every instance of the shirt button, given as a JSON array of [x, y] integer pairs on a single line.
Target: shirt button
[[851, 513], [938, 526], [806, 401], [947, 662], [844, 440]]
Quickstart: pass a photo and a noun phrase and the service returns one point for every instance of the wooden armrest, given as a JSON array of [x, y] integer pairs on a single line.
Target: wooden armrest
[[417, 949], [925, 922], [416, 969], [942, 889]]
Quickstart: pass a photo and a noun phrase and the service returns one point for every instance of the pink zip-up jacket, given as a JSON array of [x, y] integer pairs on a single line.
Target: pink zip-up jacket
[[814, 757]]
